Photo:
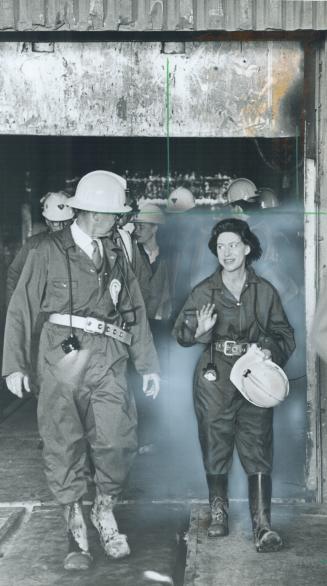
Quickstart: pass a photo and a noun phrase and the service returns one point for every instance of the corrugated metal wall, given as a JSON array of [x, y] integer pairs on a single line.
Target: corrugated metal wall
[[172, 15]]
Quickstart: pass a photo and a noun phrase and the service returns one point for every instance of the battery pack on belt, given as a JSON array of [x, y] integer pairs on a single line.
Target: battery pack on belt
[[92, 325]]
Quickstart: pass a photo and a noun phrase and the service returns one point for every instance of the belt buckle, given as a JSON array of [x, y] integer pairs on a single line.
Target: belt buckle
[[228, 348], [94, 326]]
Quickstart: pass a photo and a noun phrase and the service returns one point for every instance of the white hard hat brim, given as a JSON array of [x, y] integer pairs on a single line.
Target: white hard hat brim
[[93, 207]]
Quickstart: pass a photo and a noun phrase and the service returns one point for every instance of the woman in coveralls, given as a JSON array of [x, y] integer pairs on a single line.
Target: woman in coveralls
[[227, 311]]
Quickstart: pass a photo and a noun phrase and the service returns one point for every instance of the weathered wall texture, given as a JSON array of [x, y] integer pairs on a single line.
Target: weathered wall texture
[[120, 89], [321, 198], [147, 15]]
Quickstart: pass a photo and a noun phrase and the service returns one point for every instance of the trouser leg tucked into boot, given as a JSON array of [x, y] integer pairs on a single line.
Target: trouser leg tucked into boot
[[218, 500], [265, 538], [78, 557], [114, 543]]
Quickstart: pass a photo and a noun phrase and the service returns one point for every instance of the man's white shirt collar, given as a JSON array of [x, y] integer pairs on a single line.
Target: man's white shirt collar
[[84, 241]]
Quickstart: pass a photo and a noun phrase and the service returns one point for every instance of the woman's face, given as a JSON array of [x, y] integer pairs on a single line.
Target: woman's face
[[231, 251]]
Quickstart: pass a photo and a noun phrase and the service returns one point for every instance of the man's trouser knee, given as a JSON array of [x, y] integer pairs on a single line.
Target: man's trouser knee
[[104, 413]]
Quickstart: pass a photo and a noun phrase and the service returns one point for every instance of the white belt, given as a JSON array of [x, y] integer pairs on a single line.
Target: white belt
[[91, 325]]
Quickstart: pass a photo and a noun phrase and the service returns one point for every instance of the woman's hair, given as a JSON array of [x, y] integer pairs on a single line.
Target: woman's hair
[[241, 228]]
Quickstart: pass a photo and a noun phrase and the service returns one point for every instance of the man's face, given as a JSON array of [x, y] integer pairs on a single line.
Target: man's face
[[103, 224], [144, 231], [231, 251], [56, 226]]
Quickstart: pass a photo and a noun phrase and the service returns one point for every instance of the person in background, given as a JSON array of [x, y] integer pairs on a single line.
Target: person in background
[[57, 214], [156, 292], [147, 227], [96, 322], [181, 244]]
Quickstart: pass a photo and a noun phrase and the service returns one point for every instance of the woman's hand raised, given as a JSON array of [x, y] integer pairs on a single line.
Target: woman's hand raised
[[206, 319]]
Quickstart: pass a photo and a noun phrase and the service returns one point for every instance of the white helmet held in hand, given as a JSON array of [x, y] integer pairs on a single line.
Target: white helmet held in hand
[[55, 207], [180, 200], [259, 379], [101, 191]]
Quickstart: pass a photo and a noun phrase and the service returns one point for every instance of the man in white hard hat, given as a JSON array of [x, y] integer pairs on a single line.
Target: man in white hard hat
[[96, 322], [57, 214], [148, 222]]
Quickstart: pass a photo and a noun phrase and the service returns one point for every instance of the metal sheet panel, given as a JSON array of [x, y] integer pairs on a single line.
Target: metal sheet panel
[[150, 15], [120, 89]]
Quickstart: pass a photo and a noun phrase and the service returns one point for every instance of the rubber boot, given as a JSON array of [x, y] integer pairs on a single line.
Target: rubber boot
[[78, 557], [218, 500], [265, 539], [114, 543]]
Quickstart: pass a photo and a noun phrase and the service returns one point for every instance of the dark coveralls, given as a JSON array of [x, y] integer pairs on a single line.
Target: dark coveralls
[[17, 265], [97, 404], [224, 416]]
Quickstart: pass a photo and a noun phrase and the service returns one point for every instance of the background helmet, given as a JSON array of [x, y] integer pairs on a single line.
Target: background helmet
[[180, 200], [150, 214], [101, 191], [241, 189], [259, 380], [55, 207], [268, 198]]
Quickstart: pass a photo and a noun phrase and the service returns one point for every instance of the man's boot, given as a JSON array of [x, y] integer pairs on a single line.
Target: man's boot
[[114, 543], [78, 557], [218, 500], [265, 538]]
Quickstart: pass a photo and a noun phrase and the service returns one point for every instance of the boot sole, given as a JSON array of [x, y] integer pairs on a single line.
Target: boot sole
[[217, 535], [124, 554], [270, 544], [78, 561]]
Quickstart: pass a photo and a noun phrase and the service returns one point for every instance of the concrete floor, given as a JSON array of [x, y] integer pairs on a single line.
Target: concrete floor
[[162, 490], [233, 560]]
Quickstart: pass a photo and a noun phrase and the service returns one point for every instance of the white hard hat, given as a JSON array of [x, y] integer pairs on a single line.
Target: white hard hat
[[241, 189], [101, 191], [268, 198], [180, 200], [150, 214], [56, 207], [259, 379]]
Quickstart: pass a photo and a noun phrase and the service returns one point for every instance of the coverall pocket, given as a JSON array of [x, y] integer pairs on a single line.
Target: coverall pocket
[[62, 284], [189, 325]]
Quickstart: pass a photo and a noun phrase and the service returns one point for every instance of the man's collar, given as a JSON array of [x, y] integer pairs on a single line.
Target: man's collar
[[68, 242]]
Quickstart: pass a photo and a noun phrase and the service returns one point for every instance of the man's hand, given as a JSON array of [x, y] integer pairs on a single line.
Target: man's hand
[[206, 319], [267, 353], [151, 384], [17, 382]]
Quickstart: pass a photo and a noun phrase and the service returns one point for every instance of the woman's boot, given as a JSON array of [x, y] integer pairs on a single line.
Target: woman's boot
[[265, 538], [218, 500]]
